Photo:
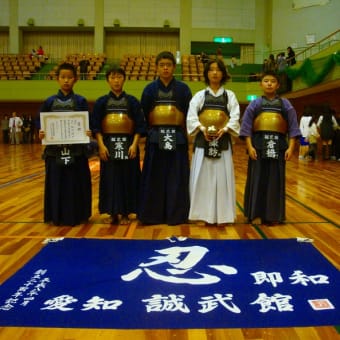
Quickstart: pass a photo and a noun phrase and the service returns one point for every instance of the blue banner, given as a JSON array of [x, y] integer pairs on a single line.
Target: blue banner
[[173, 283]]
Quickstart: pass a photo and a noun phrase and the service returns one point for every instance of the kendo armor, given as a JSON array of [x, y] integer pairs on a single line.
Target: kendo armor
[[271, 117], [117, 119], [165, 112], [214, 113]]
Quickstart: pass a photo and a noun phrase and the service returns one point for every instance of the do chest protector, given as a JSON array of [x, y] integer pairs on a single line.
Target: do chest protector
[[214, 113], [271, 117], [117, 120]]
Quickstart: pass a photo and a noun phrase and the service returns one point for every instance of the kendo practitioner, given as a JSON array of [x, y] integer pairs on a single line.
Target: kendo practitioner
[[118, 124], [270, 129], [164, 195], [213, 118], [68, 179]]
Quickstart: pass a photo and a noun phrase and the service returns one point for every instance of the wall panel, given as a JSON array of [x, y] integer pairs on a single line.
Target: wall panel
[[58, 44], [117, 44]]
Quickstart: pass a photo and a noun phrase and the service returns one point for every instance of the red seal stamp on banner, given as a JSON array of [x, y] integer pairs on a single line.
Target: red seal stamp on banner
[[321, 304]]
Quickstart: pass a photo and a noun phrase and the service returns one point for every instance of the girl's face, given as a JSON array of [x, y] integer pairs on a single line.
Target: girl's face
[[214, 74], [116, 82], [269, 85], [66, 80]]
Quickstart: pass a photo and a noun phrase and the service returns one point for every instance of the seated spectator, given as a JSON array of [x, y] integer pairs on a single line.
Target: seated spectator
[[33, 53], [41, 54], [233, 61]]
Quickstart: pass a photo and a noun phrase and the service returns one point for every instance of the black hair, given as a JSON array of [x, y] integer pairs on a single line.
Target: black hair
[[165, 55], [313, 120], [115, 70], [271, 73], [67, 66], [221, 67]]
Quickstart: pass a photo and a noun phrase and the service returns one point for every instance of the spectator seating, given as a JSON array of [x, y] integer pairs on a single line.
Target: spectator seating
[[192, 68], [19, 66], [96, 61], [139, 67]]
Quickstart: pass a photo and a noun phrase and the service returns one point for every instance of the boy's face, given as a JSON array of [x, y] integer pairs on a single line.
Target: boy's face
[[66, 80], [165, 69], [116, 82], [269, 85]]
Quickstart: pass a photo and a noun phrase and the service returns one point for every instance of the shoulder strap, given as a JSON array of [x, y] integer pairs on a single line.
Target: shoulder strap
[[226, 99]]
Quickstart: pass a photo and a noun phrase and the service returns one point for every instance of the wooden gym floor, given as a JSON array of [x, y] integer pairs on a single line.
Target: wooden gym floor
[[313, 202]]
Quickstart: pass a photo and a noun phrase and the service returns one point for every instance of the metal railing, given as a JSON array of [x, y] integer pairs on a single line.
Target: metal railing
[[318, 46]]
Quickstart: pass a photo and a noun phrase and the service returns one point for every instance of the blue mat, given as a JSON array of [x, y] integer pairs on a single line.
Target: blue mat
[[173, 283]]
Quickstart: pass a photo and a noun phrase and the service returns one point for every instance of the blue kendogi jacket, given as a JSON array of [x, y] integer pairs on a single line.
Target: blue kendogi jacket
[[62, 103], [134, 111], [256, 106]]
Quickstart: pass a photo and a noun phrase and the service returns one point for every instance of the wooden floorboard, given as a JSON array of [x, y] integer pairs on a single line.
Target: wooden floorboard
[[313, 201]]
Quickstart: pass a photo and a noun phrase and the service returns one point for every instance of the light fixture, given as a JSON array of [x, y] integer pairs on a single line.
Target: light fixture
[[116, 23], [30, 22], [81, 22], [166, 23]]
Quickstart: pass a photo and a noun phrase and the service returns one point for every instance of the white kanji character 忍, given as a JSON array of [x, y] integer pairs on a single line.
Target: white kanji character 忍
[[179, 266]]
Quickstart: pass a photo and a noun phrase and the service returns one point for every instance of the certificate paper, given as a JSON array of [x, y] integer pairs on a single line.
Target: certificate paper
[[65, 127]]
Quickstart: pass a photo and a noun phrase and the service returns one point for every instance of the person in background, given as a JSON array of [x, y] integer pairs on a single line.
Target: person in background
[[327, 125], [204, 57], [40, 52], [15, 124], [270, 129], [336, 139], [83, 67], [304, 127], [213, 117], [27, 128], [312, 137], [290, 62], [164, 195], [233, 62], [281, 62], [5, 129], [118, 123], [219, 54], [290, 56], [67, 174], [33, 53], [271, 65]]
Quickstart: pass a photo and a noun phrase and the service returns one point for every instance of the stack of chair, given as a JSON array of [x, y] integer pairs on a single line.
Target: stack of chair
[[19, 66], [139, 67]]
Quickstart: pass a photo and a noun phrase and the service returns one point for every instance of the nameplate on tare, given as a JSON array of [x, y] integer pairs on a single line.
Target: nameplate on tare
[[65, 127]]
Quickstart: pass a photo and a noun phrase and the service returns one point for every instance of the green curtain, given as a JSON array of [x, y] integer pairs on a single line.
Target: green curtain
[[313, 71]]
